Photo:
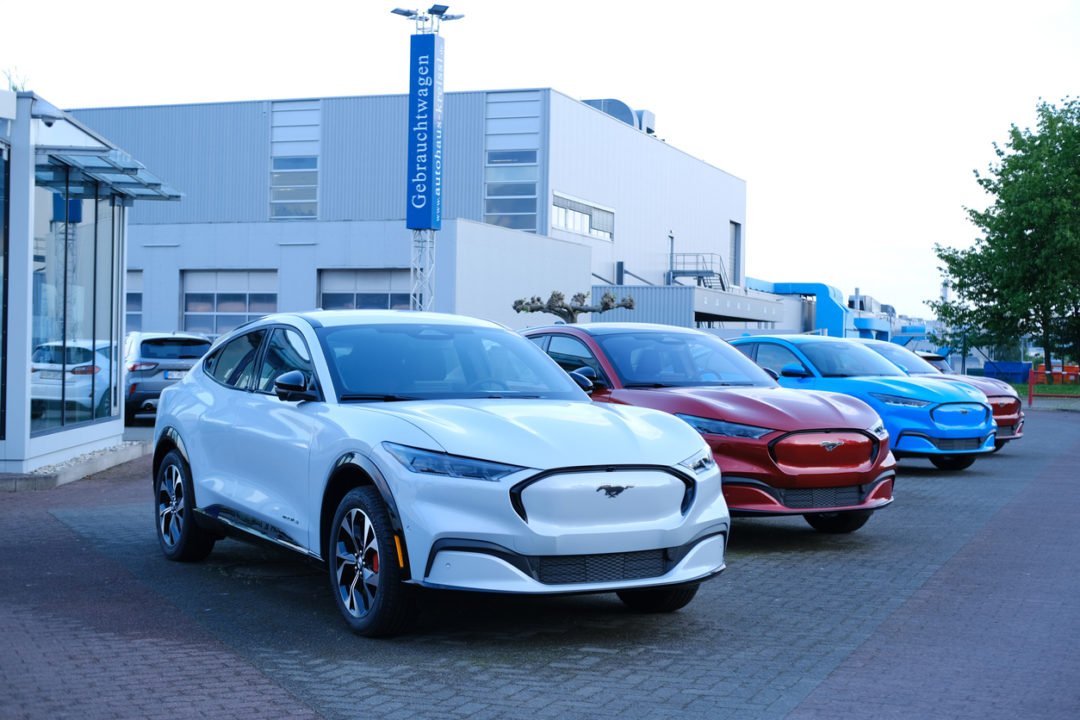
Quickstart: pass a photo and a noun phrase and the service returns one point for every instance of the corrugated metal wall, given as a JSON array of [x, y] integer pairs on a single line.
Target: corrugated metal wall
[[665, 304], [218, 155]]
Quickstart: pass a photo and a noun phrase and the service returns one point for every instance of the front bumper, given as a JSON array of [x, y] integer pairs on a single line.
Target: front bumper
[[746, 496], [572, 530]]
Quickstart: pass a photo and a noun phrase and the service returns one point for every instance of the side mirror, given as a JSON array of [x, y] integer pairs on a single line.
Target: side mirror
[[593, 376], [795, 370], [583, 382], [294, 385]]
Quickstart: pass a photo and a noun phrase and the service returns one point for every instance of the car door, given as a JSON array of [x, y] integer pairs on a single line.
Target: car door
[[260, 445], [775, 357]]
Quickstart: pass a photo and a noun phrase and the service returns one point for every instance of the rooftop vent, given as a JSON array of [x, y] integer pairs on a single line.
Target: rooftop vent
[[643, 120]]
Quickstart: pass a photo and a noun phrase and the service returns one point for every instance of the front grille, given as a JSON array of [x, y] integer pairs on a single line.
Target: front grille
[[610, 567], [821, 497], [954, 444]]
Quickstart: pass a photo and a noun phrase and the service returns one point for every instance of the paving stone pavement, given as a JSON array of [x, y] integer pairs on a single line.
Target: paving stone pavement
[[959, 601]]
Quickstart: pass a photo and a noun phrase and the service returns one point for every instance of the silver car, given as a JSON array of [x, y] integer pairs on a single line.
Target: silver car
[[152, 362]]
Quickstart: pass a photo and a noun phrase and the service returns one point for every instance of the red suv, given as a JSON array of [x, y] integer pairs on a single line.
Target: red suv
[[821, 455]]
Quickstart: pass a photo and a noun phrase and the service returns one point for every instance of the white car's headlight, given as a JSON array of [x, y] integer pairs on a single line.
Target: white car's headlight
[[708, 426], [436, 463], [700, 462], [900, 400], [878, 429]]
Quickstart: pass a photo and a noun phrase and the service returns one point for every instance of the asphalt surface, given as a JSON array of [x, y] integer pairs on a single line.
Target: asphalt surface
[[958, 601]]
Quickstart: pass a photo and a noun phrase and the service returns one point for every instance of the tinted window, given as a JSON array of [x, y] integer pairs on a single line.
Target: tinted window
[[234, 362], [286, 351], [650, 358], [775, 357], [572, 354], [847, 359], [370, 362], [174, 348], [904, 358]]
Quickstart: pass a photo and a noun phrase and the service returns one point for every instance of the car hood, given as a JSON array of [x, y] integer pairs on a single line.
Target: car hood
[[988, 386], [772, 407], [934, 391], [551, 433]]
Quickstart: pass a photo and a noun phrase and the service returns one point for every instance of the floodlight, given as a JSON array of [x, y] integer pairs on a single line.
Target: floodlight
[[438, 9], [406, 13]]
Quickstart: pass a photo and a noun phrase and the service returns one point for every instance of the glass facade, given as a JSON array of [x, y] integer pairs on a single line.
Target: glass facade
[[511, 168], [3, 285], [74, 372]]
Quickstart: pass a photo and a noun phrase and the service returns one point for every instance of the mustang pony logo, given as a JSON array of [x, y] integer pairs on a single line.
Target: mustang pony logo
[[831, 445], [613, 490]]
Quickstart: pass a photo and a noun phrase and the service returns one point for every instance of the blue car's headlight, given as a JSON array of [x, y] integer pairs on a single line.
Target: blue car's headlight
[[708, 426], [436, 463], [699, 462], [900, 400]]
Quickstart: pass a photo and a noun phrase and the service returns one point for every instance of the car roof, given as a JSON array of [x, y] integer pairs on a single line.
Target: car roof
[[142, 335], [793, 339], [611, 328], [338, 318]]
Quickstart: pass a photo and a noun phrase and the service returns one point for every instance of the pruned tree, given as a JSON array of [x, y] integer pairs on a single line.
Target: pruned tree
[[557, 305], [1023, 275]]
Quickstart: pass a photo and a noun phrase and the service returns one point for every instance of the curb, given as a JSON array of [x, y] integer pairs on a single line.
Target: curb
[[53, 476]]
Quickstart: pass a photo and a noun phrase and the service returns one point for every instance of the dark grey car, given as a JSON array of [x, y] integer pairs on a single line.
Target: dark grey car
[[152, 362]]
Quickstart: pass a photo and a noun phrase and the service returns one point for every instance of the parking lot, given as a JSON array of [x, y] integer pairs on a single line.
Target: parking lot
[[958, 601]]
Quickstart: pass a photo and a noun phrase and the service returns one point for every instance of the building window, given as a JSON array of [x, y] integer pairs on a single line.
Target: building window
[[511, 168], [133, 301], [581, 217], [218, 302], [294, 160], [364, 289]]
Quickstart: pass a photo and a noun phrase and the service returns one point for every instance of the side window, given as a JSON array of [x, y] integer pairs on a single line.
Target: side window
[[773, 357], [234, 362], [286, 351], [540, 341], [572, 354]]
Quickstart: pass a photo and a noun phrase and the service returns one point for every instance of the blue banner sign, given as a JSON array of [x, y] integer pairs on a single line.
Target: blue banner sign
[[424, 193]]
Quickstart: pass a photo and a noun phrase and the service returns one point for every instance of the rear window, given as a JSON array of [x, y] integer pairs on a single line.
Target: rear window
[[174, 348]]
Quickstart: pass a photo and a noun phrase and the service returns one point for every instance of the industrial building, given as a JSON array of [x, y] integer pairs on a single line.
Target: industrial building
[[295, 204]]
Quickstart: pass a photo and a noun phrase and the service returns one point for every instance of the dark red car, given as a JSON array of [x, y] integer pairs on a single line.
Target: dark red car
[[821, 455]]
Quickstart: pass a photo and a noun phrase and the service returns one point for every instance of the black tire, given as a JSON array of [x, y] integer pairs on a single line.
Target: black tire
[[952, 462], [659, 600], [998, 444], [179, 536], [364, 573], [845, 521]]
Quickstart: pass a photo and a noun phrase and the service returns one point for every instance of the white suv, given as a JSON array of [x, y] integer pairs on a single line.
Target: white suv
[[410, 450]]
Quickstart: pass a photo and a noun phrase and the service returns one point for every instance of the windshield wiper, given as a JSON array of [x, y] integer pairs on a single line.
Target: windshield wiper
[[356, 397], [646, 385]]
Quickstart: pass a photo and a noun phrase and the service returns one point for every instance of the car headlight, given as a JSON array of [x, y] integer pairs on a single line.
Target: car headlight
[[436, 463], [878, 429], [900, 400], [708, 426], [700, 462]]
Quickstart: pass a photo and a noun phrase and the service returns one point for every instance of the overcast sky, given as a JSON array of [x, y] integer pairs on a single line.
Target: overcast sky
[[856, 125]]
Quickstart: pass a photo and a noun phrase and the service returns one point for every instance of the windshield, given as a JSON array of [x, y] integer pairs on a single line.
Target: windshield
[[411, 361], [906, 359], [656, 358], [847, 359]]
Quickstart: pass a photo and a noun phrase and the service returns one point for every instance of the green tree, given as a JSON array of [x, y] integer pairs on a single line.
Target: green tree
[[1022, 276]]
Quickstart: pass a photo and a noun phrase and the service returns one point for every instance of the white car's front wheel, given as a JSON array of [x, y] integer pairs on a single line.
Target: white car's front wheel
[[364, 570], [660, 599]]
